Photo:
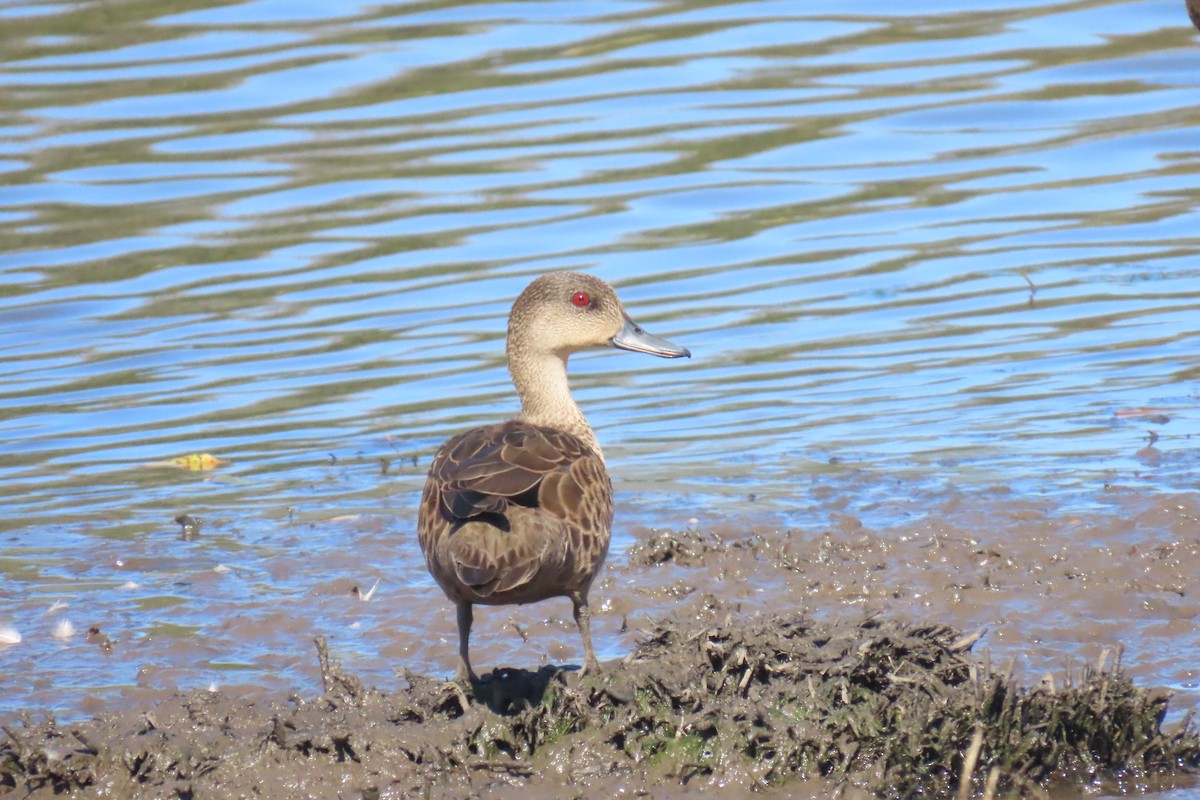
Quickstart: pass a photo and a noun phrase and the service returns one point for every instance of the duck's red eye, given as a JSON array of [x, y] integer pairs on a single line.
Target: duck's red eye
[[581, 299]]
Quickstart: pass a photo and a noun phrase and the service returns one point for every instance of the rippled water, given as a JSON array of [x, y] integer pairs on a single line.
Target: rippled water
[[956, 244]]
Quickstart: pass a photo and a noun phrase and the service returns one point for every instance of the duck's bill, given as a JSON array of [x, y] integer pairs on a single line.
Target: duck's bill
[[632, 337]]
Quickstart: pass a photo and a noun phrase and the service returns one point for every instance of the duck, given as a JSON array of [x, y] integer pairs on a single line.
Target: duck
[[521, 511]]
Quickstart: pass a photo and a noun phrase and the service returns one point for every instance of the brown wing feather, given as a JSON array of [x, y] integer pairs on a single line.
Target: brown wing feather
[[488, 572], [514, 506], [484, 469]]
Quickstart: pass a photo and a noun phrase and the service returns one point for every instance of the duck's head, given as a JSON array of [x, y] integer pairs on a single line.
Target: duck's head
[[565, 312]]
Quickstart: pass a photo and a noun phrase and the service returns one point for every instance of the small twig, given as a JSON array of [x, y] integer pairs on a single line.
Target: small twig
[[323, 660], [338, 685], [966, 642], [461, 695], [989, 793], [85, 741], [969, 763], [12, 736], [1032, 288]]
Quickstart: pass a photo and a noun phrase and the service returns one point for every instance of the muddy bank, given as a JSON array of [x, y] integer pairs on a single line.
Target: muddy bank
[[864, 685], [1053, 582], [875, 707], [1052, 586]]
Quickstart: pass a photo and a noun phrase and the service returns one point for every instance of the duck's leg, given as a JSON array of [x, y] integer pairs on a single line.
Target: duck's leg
[[583, 618], [465, 618]]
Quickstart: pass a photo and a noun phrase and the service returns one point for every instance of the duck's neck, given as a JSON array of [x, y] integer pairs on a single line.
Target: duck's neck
[[541, 381]]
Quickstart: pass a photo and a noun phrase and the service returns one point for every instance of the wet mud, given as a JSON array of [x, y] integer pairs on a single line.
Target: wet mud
[[869, 708]]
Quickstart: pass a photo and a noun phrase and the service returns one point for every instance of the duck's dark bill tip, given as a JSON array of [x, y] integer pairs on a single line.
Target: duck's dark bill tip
[[632, 337]]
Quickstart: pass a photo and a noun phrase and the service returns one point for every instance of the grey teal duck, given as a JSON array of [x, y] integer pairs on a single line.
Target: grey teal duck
[[521, 511]]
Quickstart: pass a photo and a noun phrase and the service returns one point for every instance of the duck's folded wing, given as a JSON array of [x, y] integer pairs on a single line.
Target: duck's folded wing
[[494, 565], [486, 469]]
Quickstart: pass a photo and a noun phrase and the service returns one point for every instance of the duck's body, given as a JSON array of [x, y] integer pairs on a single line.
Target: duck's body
[[521, 511], [515, 513]]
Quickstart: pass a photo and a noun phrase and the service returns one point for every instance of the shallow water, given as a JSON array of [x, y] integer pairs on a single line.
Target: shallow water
[[933, 266]]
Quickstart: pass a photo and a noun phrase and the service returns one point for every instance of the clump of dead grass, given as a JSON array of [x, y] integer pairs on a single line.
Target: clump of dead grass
[[886, 708]]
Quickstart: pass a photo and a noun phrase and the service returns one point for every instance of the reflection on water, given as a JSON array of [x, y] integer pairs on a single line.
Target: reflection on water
[[955, 244]]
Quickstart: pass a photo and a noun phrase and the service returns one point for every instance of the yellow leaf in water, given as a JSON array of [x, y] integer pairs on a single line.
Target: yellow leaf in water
[[197, 462]]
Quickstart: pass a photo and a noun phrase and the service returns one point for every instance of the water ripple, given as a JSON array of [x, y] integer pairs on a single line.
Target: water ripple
[[956, 242]]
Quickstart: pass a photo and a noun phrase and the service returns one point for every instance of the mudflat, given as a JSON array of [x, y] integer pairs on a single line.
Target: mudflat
[[845, 678]]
